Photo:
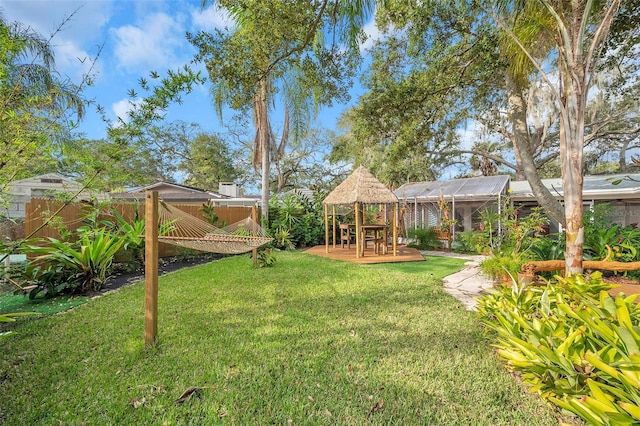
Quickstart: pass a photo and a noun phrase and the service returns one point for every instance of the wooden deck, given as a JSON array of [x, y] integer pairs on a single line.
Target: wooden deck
[[404, 254]]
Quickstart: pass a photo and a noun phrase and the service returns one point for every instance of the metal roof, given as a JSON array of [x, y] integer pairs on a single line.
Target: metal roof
[[595, 187], [477, 188]]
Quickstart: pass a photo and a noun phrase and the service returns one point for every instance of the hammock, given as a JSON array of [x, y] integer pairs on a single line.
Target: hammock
[[180, 228]]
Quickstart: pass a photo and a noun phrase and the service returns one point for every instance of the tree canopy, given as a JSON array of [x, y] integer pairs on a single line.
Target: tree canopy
[[38, 109]]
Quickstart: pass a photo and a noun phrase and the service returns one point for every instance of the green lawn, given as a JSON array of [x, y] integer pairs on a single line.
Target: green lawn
[[309, 341], [10, 302]]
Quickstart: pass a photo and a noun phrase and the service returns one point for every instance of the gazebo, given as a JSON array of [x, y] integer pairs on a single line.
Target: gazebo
[[361, 187]]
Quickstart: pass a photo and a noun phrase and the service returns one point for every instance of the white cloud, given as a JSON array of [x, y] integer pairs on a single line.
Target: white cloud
[[76, 61], [152, 44], [61, 22], [211, 18], [373, 34], [122, 107], [470, 133]]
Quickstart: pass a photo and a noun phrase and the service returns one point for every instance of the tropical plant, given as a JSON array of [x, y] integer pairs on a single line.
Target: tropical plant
[[423, 238], [251, 69], [549, 248], [282, 239], [502, 267], [265, 258], [132, 233], [296, 221], [80, 267], [209, 214], [573, 343], [469, 241], [36, 102]]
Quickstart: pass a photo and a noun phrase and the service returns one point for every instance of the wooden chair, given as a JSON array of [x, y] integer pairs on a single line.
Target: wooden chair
[[370, 237], [345, 235], [381, 246]]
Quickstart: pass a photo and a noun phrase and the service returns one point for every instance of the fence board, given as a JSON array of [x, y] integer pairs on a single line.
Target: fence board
[[71, 217]]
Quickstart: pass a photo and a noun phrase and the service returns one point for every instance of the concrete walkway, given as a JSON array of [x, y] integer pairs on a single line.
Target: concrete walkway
[[468, 283]]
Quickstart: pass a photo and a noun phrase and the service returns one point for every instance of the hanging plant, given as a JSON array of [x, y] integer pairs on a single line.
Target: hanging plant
[[447, 220]]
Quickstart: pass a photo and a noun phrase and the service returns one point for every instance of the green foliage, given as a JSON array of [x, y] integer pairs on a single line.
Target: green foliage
[[80, 267], [573, 343], [549, 248], [424, 238], [186, 254], [132, 233], [469, 241], [209, 213], [266, 258], [504, 231], [499, 266], [296, 221], [277, 54], [404, 127], [208, 162], [11, 316], [282, 239], [38, 107], [600, 236]]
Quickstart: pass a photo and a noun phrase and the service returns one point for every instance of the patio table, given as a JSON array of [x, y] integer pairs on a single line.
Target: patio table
[[379, 234]]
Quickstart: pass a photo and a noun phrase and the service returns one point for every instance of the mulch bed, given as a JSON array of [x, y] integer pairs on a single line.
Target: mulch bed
[[165, 265]]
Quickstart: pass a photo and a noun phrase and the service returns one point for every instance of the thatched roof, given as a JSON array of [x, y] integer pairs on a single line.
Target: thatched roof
[[361, 187]]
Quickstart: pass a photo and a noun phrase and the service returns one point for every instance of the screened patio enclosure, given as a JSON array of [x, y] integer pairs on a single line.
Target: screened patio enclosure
[[467, 197], [470, 197], [620, 191]]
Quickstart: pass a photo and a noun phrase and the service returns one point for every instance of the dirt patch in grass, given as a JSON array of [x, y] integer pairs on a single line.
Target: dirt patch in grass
[[625, 285]]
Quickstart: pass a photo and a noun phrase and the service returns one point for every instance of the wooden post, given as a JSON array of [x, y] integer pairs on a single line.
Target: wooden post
[[326, 228], [254, 216], [358, 224], [151, 269], [394, 221], [333, 211]]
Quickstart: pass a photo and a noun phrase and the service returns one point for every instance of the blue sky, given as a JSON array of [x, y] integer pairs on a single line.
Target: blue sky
[[137, 37]]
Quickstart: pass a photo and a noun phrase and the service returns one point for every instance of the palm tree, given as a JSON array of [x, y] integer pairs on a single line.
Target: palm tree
[[34, 100], [278, 48]]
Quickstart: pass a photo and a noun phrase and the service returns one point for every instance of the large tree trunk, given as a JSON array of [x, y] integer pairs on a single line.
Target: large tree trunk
[[261, 142], [521, 146], [571, 163], [278, 152]]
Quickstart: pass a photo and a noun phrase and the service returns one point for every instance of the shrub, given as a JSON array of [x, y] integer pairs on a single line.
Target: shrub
[[66, 267], [550, 248], [424, 238], [296, 221], [498, 266], [265, 258], [470, 242], [573, 343]]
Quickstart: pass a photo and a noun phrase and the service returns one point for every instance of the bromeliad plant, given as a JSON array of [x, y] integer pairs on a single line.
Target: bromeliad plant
[[74, 268], [573, 343]]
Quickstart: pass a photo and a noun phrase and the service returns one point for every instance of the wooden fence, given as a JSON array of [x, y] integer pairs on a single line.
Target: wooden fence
[[71, 217]]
